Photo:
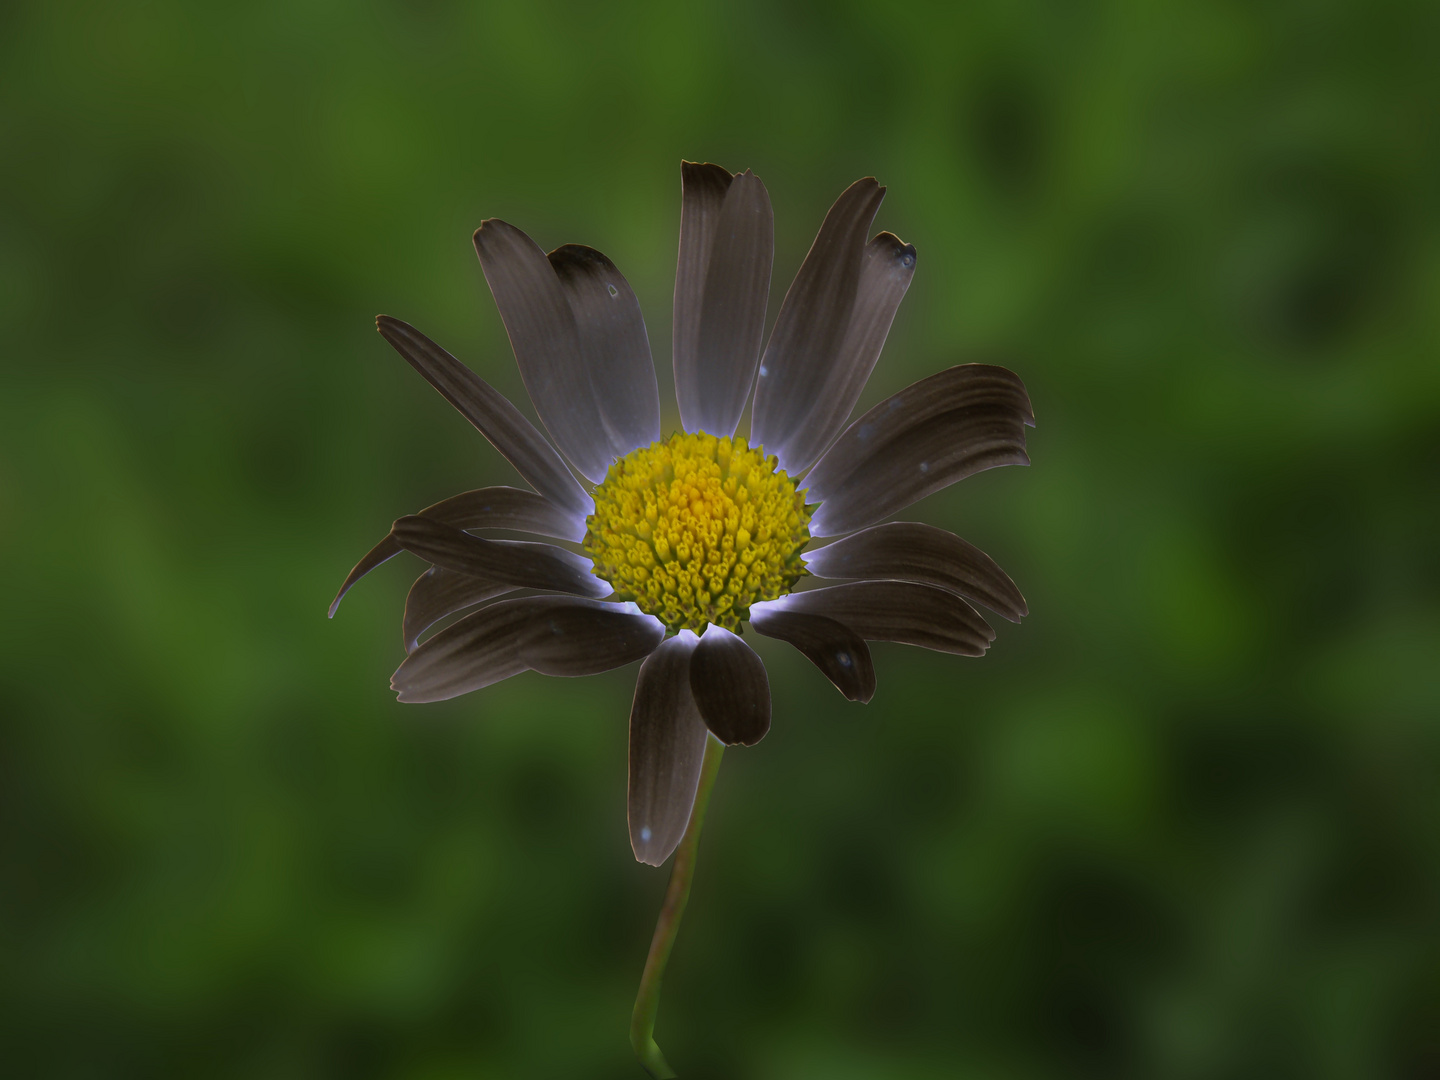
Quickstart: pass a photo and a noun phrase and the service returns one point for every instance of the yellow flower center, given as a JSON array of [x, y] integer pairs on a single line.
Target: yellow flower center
[[694, 529]]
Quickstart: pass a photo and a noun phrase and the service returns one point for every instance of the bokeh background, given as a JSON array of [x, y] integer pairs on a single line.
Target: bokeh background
[[1181, 823]]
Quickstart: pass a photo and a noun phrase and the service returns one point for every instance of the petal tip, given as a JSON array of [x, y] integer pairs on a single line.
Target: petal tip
[[406, 694], [648, 858], [489, 227]]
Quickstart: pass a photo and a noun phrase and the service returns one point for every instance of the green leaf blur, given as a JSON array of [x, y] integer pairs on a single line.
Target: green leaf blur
[[1181, 823]]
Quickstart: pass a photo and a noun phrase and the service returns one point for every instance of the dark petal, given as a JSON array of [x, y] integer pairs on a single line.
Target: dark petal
[[713, 381], [702, 194], [884, 277], [838, 651], [506, 638], [667, 744], [731, 688], [507, 508], [495, 418], [530, 566], [926, 437], [910, 551], [831, 327], [585, 637], [439, 592], [616, 347], [903, 611], [537, 316], [483, 508], [467, 655], [382, 552]]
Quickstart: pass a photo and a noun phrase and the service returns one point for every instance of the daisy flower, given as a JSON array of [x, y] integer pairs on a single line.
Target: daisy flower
[[688, 538]]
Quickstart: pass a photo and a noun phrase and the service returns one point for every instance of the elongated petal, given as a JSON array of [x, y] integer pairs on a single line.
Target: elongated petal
[[731, 688], [702, 189], [439, 592], [830, 330], [614, 344], [586, 637], [834, 383], [926, 437], [838, 651], [382, 552], [484, 508], [507, 508], [717, 339], [667, 743], [530, 566], [903, 611], [493, 416], [508, 637], [546, 341], [467, 655], [910, 551]]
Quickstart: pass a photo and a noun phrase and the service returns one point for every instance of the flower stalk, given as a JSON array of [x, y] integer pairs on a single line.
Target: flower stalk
[[677, 894]]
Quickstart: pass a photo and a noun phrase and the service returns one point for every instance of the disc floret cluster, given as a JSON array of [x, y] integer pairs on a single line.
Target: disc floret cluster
[[694, 529]]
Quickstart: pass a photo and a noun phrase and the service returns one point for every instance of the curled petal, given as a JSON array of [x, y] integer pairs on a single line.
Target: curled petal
[[926, 437], [382, 552], [838, 651], [530, 566], [731, 688], [507, 508], [667, 744], [484, 508], [903, 611], [548, 633], [910, 551]]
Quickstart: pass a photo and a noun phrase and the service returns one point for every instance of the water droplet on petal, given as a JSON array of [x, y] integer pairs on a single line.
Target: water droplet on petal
[[924, 466], [645, 832], [844, 658], [613, 290], [764, 371]]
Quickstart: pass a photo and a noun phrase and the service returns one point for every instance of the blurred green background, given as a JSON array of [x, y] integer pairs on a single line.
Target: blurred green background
[[1183, 822]]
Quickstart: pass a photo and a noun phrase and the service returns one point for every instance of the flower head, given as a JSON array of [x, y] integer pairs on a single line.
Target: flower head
[[696, 529], [690, 538]]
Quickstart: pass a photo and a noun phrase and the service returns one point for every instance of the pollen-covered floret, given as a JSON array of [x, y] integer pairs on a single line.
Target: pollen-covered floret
[[695, 529]]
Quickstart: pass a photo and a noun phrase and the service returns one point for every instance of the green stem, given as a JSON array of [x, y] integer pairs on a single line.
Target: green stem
[[682, 872]]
